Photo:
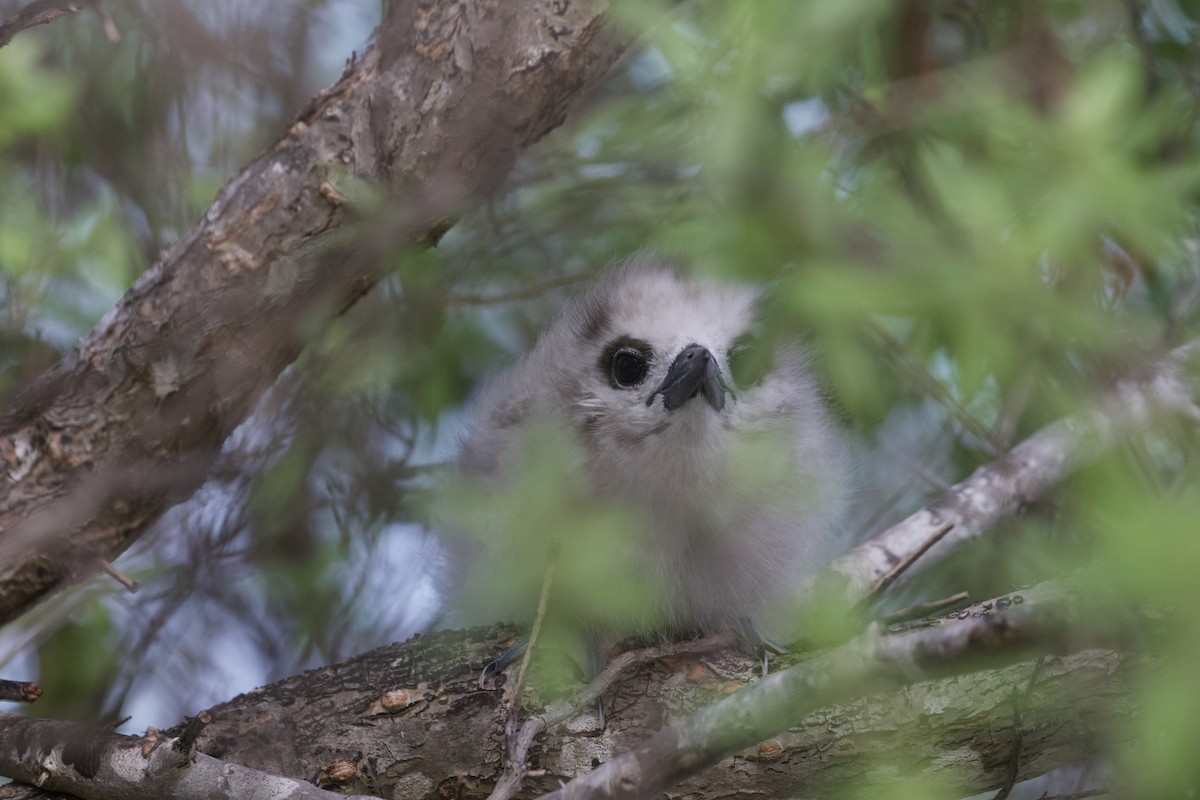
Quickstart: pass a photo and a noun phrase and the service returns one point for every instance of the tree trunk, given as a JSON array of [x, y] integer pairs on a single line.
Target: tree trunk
[[129, 422]]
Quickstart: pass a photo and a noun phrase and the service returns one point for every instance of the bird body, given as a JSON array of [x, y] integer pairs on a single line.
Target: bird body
[[739, 488]]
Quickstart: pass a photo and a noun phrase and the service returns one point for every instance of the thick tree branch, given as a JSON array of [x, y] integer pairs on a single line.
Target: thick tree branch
[[1002, 487], [130, 421], [411, 720], [871, 663], [69, 757]]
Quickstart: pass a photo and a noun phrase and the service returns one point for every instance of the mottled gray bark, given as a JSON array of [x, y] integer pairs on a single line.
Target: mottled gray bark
[[131, 420], [411, 720], [70, 757]]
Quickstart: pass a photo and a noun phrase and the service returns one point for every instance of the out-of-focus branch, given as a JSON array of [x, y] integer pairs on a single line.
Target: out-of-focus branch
[[42, 12], [1000, 488], [437, 112], [91, 762]]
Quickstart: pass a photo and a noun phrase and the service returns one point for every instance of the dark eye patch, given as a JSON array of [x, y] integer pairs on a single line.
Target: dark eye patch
[[625, 362], [594, 320]]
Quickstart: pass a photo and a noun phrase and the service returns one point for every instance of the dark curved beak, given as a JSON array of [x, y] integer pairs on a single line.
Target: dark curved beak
[[694, 371]]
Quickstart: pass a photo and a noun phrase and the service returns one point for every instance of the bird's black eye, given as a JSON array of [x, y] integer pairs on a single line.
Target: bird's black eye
[[629, 367], [749, 360]]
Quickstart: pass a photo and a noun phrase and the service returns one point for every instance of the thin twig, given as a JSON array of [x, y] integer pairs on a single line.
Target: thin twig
[[632, 658], [921, 379], [514, 762], [1013, 407], [1014, 770], [895, 572], [929, 479], [543, 602], [19, 691], [106, 22], [925, 609], [506, 788], [1014, 766], [120, 577]]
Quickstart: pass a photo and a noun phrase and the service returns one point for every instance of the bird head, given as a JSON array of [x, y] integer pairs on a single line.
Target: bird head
[[644, 356], [642, 366]]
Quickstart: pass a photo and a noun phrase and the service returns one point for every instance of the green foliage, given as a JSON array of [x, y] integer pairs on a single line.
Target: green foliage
[[1000, 230], [980, 214], [78, 666], [548, 516], [35, 99]]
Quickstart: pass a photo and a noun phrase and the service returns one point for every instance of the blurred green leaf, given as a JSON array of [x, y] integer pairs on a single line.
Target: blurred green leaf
[[36, 100], [77, 667]]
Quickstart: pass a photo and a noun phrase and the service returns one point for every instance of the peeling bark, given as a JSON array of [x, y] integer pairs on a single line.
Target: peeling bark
[[130, 421]]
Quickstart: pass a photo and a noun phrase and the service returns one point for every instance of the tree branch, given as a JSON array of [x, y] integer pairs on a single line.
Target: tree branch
[[518, 745], [19, 691], [1000, 488], [42, 12], [75, 758], [871, 663], [411, 719], [437, 111]]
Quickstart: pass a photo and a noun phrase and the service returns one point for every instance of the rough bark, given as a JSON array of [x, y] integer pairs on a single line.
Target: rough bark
[[100, 764], [130, 421], [863, 667], [411, 720]]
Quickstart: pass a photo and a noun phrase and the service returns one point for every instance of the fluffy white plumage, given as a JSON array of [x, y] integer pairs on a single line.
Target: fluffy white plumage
[[742, 487]]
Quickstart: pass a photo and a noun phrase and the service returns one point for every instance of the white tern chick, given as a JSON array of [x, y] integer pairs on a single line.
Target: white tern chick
[[741, 487]]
